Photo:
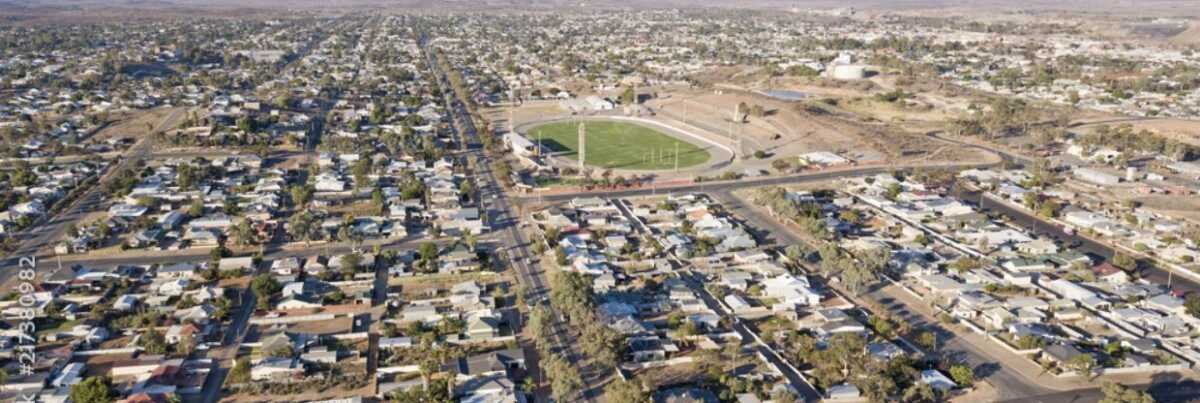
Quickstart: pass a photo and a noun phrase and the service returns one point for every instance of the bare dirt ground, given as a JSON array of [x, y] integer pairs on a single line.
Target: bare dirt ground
[[785, 129], [1186, 131], [864, 131], [821, 87], [1190, 36], [1185, 207], [133, 126]]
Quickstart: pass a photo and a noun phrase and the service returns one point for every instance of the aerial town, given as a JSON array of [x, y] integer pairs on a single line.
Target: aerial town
[[511, 202]]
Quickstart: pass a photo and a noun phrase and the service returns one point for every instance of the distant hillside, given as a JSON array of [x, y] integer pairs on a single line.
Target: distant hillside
[[1175, 8]]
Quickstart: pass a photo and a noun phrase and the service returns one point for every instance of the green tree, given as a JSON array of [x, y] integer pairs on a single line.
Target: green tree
[[893, 191], [302, 225], [301, 194], [378, 201], [264, 286], [620, 391], [566, 380], [1192, 304], [361, 171], [243, 234], [1117, 393], [154, 342], [1082, 364], [919, 393], [1124, 261], [857, 277], [196, 209], [350, 262], [435, 392], [240, 373], [962, 375], [428, 252], [628, 97], [965, 264], [928, 340], [96, 389]]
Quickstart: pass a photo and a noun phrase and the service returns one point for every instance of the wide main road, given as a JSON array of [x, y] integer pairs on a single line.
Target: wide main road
[[504, 221]]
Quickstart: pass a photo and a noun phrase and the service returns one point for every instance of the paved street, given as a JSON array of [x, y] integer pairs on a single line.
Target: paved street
[[51, 229], [696, 283], [502, 219], [719, 186], [992, 364], [1149, 270]]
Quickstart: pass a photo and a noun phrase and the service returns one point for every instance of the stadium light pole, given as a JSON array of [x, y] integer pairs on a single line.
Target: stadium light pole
[[676, 156]]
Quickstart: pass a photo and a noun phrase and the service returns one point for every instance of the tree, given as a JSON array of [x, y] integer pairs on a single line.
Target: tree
[[893, 191], [781, 165], [1117, 393], [154, 342], [877, 385], [196, 209], [783, 395], [965, 264], [103, 230], [928, 340], [378, 201], [472, 241], [436, 391], [560, 256], [240, 373], [243, 234], [264, 286], [361, 171], [621, 391], [301, 194], [428, 251], [962, 375], [919, 393], [302, 226], [628, 97], [96, 389], [350, 262], [1192, 304], [857, 277], [1125, 262], [566, 380], [1082, 364]]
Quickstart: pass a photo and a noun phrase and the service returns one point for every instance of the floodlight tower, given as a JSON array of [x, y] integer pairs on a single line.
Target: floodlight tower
[[582, 145]]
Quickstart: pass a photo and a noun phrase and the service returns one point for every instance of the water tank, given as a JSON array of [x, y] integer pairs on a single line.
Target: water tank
[[849, 72]]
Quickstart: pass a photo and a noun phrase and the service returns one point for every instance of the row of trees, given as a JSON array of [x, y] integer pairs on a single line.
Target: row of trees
[[1126, 140], [845, 359], [571, 294], [858, 270]]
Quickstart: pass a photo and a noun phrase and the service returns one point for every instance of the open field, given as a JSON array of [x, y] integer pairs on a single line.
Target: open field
[[618, 145], [784, 129]]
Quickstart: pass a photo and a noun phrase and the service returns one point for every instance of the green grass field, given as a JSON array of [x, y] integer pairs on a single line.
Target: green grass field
[[619, 145]]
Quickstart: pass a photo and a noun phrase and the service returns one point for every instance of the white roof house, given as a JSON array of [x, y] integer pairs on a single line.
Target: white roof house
[[790, 290], [937, 380], [1070, 290]]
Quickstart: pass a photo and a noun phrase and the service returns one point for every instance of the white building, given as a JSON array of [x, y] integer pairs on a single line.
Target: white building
[[1096, 177]]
